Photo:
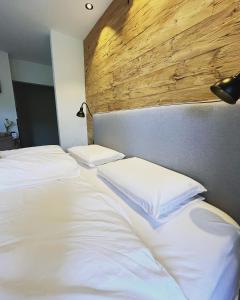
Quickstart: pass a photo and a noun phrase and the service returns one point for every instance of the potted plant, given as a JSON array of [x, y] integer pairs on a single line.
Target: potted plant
[[8, 125]]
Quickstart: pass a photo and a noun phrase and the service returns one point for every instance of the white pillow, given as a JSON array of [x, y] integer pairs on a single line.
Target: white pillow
[[157, 190], [94, 155]]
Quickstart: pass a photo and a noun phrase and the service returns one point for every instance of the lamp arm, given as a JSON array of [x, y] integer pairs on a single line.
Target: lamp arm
[[237, 75], [87, 108]]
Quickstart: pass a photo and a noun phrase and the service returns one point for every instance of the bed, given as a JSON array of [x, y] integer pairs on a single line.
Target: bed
[[80, 230], [202, 141], [199, 246], [75, 237], [64, 239]]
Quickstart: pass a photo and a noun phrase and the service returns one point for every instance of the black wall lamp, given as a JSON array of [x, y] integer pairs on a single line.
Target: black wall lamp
[[81, 113], [228, 89]]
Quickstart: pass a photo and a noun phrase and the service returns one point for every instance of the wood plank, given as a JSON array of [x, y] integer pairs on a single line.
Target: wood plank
[[155, 52]]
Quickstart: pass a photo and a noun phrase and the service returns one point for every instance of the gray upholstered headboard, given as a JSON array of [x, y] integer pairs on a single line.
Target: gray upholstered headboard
[[199, 140]]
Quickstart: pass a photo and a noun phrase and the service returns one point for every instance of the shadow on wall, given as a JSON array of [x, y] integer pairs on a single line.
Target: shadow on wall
[[108, 29], [155, 52]]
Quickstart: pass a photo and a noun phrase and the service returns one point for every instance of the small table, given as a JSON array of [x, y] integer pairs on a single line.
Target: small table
[[7, 143]]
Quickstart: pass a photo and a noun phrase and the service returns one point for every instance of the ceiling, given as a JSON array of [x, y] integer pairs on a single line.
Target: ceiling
[[25, 24]]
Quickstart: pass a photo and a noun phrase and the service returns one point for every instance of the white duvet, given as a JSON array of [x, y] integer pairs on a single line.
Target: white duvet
[[199, 246], [63, 241], [25, 167], [50, 149]]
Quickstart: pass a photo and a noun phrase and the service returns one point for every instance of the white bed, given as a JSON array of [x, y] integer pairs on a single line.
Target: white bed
[[66, 240], [199, 246], [76, 238]]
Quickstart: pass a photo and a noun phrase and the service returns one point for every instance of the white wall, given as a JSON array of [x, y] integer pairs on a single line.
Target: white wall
[[7, 102], [25, 71], [69, 82]]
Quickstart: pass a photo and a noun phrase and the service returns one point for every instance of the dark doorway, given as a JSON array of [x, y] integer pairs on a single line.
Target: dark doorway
[[36, 111]]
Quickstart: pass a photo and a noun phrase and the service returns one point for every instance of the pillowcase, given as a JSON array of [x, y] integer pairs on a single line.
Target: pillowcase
[[155, 189], [94, 155]]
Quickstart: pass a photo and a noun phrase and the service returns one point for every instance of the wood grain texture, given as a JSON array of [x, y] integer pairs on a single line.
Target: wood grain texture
[[155, 52]]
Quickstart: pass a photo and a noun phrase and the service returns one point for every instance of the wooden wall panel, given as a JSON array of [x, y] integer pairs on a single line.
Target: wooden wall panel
[[152, 52]]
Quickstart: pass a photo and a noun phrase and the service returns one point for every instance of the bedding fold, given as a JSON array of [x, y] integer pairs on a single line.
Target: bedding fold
[[23, 169], [66, 240]]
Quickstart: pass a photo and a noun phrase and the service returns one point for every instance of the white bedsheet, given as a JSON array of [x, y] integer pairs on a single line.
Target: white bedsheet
[[65, 240], [53, 149], [29, 168], [199, 246]]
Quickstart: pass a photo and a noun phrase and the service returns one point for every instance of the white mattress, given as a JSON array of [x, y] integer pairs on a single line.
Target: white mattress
[[199, 246]]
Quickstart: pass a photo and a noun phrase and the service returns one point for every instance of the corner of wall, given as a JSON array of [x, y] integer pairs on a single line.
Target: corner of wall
[[69, 83], [7, 100]]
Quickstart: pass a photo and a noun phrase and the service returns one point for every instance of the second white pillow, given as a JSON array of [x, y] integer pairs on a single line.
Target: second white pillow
[[94, 155], [157, 190]]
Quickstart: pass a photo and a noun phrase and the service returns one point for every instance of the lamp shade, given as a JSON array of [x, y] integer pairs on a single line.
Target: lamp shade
[[81, 113], [228, 89]]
